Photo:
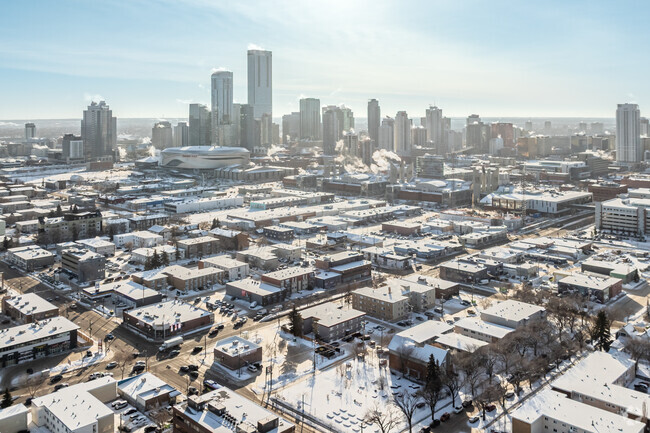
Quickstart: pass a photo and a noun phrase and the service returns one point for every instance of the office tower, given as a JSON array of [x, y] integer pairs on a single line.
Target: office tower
[[496, 144], [290, 127], [387, 134], [419, 135], [351, 143], [445, 146], [582, 127], [181, 135], [505, 131], [529, 125], [260, 80], [331, 129], [374, 120], [597, 128], [266, 130], [250, 128], [161, 135], [475, 134], [548, 129], [347, 118], [200, 132], [434, 125], [402, 129], [30, 131], [222, 105], [628, 134], [430, 166], [366, 148], [275, 135], [236, 124], [73, 148], [99, 131], [644, 127], [310, 119]]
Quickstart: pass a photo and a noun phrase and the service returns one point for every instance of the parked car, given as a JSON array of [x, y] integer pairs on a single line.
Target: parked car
[[184, 369], [194, 375], [445, 417], [174, 353], [193, 367], [130, 411], [490, 407], [61, 385], [111, 364], [211, 384], [193, 391], [467, 403], [459, 409], [474, 419], [109, 337], [197, 349]]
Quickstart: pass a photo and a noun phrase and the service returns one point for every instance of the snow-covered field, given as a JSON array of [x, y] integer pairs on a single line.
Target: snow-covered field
[[341, 396]]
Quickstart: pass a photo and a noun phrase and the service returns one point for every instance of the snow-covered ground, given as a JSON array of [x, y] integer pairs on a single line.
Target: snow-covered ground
[[341, 396]]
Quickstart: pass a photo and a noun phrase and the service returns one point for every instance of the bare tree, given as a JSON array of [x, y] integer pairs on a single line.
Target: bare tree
[[407, 403], [638, 349], [472, 371], [451, 381], [486, 397], [432, 394], [159, 416], [384, 418], [122, 359], [33, 384]]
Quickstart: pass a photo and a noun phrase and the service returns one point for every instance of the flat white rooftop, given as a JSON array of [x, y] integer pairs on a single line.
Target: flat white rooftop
[[582, 417], [236, 346], [478, 325], [426, 331], [24, 334], [166, 313], [30, 303], [329, 314], [513, 310]]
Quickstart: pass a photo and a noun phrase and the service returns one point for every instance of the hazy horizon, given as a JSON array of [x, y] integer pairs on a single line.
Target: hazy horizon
[[497, 59]]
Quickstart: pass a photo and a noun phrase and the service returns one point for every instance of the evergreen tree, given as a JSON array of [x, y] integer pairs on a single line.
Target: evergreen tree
[[155, 260], [164, 260], [147, 263], [75, 209], [59, 211], [6, 399], [601, 335], [6, 243], [433, 391], [75, 232], [215, 224], [111, 232], [177, 253], [295, 322]]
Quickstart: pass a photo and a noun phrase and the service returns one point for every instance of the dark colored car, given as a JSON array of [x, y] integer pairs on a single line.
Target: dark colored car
[[194, 375], [185, 368], [445, 417], [193, 367], [55, 379], [197, 349]]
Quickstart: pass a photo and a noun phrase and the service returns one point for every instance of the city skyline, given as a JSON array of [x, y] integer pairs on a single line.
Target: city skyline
[[336, 52]]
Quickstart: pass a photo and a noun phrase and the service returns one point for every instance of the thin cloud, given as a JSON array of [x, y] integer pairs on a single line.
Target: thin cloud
[[90, 97]]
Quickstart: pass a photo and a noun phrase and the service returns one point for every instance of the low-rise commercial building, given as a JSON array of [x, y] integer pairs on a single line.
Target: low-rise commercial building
[[30, 257], [444, 289], [147, 391], [626, 272], [292, 279], [98, 245], [601, 288], [235, 352], [277, 233], [217, 411], [140, 239], [256, 291], [164, 320], [28, 308], [37, 340]]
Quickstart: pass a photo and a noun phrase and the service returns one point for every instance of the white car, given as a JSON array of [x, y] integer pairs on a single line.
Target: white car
[[459, 409]]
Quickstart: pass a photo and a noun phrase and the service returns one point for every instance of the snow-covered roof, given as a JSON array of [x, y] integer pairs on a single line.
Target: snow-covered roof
[[582, 417], [417, 352], [426, 331], [513, 310], [461, 342]]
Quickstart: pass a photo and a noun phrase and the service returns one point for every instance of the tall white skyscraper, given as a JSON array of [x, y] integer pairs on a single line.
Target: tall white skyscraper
[[221, 87], [260, 78], [310, 118], [374, 119], [628, 133], [434, 125], [402, 130], [387, 134], [99, 130]]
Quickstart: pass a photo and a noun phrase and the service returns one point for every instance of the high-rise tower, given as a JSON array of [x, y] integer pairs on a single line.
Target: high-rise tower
[[628, 133], [99, 130], [260, 78], [222, 104]]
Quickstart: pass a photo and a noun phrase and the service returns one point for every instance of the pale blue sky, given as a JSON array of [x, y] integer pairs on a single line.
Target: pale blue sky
[[149, 58]]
